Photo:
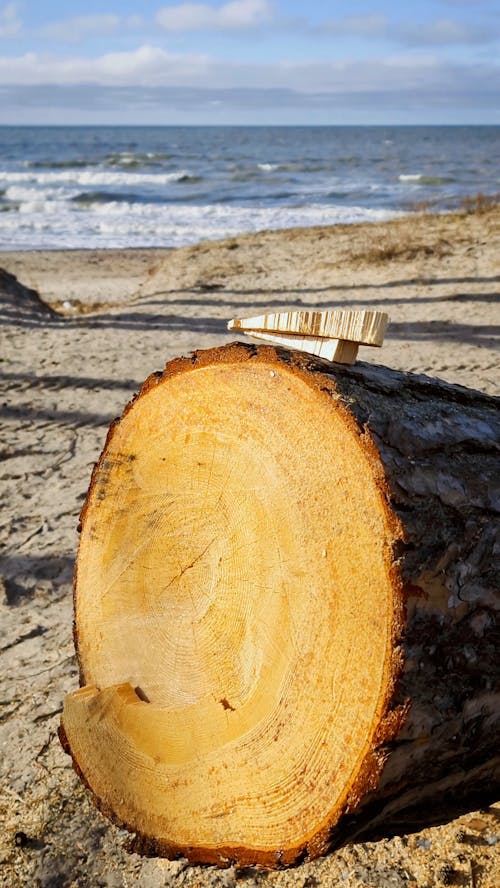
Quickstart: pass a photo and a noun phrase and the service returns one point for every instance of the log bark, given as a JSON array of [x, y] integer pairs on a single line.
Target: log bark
[[286, 606]]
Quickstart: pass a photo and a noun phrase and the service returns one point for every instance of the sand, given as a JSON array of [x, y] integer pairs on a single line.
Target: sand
[[80, 331]]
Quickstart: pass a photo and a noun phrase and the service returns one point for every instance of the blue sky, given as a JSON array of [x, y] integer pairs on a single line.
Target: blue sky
[[249, 61]]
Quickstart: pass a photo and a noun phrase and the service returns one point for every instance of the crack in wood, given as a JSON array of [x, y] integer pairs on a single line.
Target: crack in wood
[[189, 566]]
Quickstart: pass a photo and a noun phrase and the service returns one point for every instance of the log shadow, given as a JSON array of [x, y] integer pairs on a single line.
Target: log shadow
[[73, 418], [22, 573], [125, 320], [203, 300], [142, 323], [208, 287], [26, 307], [63, 381], [482, 335]]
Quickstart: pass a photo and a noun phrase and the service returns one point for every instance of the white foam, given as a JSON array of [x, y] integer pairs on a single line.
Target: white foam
[[410, 177], [125, 158], [53, 224], [89, 178], [19, 193], [41, 206]]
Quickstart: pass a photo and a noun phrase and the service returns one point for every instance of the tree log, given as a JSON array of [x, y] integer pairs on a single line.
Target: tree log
[[285, 608]]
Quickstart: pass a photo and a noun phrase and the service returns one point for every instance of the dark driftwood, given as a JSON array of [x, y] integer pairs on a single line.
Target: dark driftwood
[[436, 753]]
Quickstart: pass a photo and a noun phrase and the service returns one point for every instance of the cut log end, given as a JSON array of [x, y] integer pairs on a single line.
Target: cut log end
[[285, 608], [237, 613]]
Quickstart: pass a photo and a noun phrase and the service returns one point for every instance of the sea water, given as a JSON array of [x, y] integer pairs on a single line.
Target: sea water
[[69, 187]]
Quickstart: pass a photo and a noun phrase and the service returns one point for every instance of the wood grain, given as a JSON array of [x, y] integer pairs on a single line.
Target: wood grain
[[363, 327]]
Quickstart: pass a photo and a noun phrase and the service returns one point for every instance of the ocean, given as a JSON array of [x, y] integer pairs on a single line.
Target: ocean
[[98, 187]]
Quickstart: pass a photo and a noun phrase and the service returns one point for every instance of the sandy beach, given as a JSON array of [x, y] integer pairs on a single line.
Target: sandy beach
[[81, 330]]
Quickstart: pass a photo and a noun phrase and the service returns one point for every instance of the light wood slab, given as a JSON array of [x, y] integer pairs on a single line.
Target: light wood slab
[[332, 335]]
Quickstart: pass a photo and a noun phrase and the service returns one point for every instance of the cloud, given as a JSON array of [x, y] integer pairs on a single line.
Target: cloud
[[461, 101], [443, 32], [10, 22], [245, 15], [81, 26], [151, 66], [148, 65], [201, 16]]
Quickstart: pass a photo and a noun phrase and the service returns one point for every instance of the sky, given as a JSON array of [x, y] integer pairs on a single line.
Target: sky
[[250, 62]]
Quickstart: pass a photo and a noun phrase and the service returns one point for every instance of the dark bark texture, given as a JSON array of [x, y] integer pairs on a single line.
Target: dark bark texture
[[439, 445]]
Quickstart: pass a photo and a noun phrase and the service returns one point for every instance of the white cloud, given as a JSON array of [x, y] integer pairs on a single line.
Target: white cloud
[[454, 94], [10, 22], [443, 32], [147, 65], [201, 16], [152, 67], [151, 85], [81, 26]]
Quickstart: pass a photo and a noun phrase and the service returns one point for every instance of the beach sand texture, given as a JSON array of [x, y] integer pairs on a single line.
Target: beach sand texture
[[81, 330]]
